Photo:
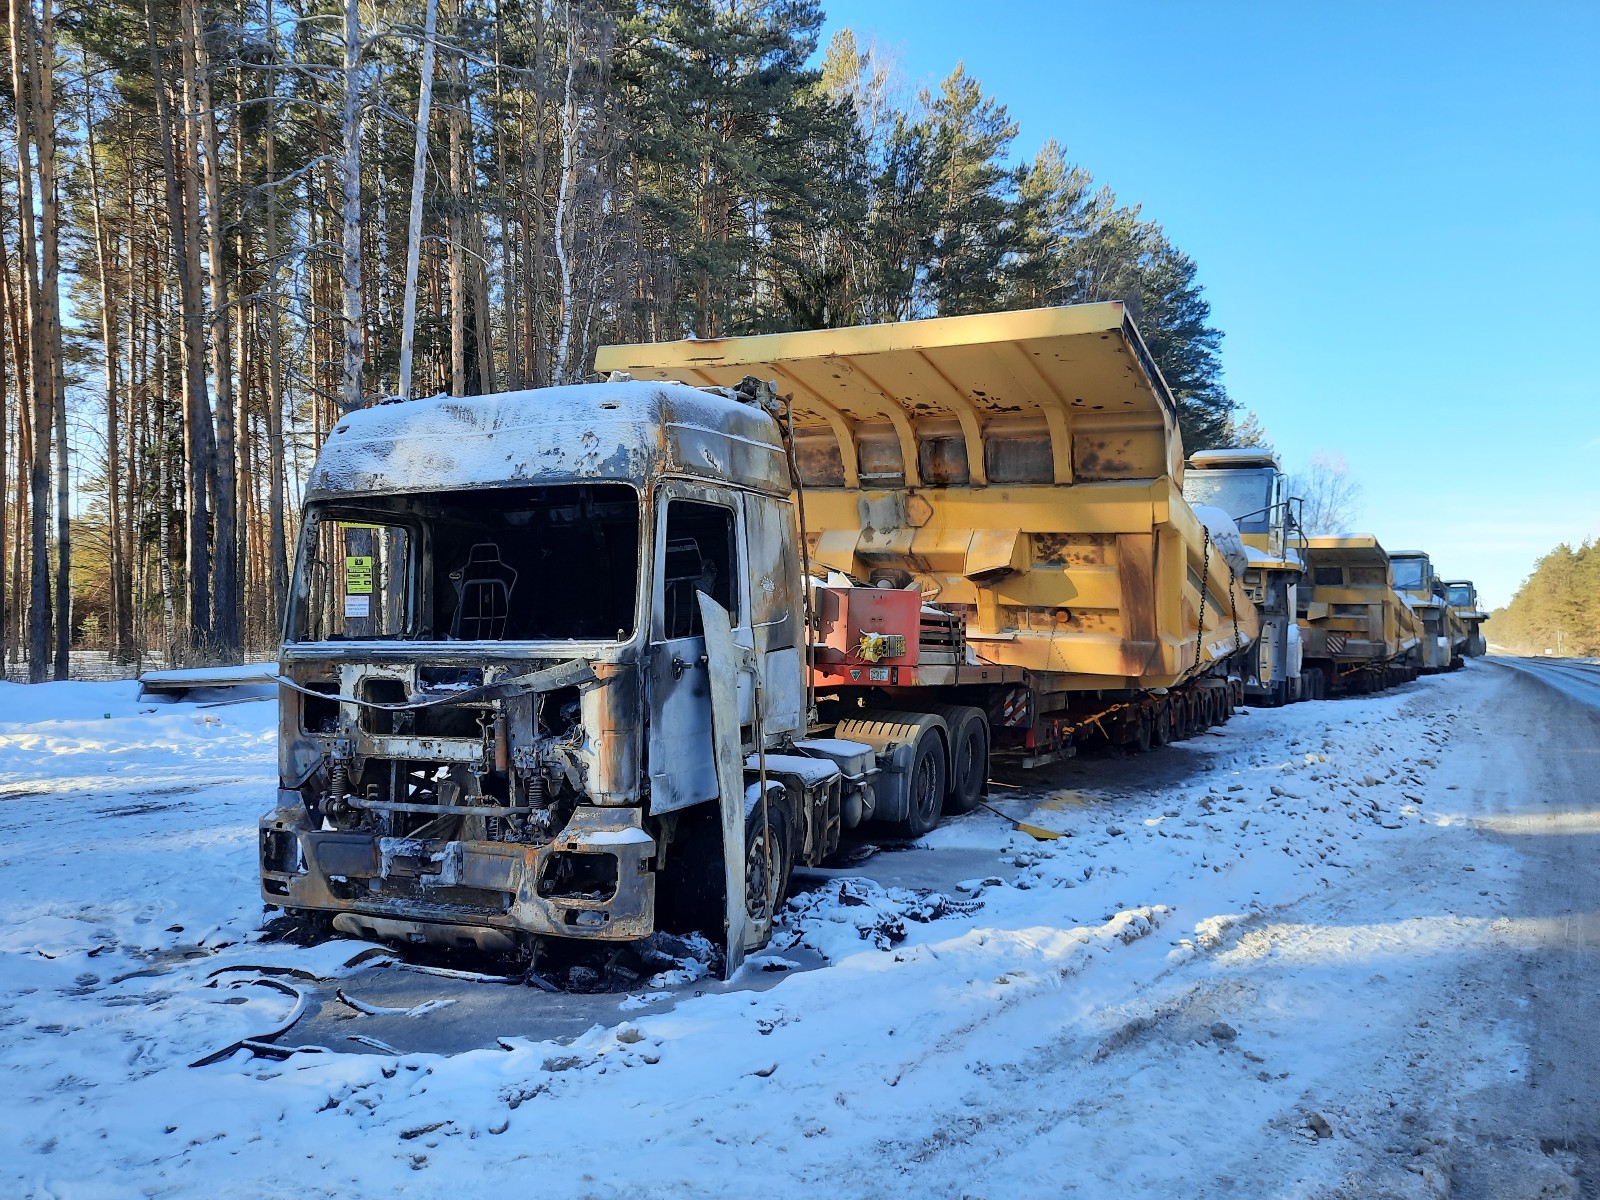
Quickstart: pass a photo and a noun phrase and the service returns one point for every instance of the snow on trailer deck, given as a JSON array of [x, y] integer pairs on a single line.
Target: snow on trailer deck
[[1282, 958]]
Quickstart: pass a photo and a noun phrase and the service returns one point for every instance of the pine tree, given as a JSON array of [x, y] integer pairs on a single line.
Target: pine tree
[[973, 195]]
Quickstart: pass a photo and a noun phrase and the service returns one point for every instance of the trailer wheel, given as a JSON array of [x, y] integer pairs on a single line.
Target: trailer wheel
[[1183, 726], [969, 760], [1143, 734], [926, 785], [1161, 724]]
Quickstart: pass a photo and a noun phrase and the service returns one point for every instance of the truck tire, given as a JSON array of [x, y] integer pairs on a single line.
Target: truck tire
[[1142, 733], [1161, 723], [764, 890], [926, 786], [969, 759], [1183, 723], [900, 740]]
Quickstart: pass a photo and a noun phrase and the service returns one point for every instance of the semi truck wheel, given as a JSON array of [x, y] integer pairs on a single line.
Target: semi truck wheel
[[969, 759], [766, 876], [926, 785]]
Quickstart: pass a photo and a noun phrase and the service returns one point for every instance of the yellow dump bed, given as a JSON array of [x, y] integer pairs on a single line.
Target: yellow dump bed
[[1350, 612], [1023, 468]]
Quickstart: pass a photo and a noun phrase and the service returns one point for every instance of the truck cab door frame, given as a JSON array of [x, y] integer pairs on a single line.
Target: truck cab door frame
[[681, 761]]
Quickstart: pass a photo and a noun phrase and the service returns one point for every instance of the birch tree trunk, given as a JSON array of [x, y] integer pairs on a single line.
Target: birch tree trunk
[[277, 549], [225, 571], [353, 390], [569, 138], [419, 168], [24, 47]]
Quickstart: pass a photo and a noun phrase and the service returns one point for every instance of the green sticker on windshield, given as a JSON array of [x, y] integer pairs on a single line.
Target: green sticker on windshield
[[358, 575]]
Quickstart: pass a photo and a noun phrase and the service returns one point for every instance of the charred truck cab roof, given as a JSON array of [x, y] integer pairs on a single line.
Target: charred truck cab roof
[[624, 432], [465, 657]]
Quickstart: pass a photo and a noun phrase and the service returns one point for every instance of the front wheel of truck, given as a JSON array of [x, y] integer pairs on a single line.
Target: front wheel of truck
[[768, 860]]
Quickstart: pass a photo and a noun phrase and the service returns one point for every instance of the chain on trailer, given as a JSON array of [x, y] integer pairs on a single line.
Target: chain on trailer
[[1205, 580]]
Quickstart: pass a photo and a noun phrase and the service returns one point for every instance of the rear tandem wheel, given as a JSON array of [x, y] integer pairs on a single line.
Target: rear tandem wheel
[[969, 759], [926, 786]]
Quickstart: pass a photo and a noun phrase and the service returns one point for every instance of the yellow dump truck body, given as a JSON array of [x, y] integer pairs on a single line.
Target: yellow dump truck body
[[1350, 613], [1021, 468]]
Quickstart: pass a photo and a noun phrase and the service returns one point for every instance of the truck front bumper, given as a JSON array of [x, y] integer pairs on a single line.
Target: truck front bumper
[[482, 892]]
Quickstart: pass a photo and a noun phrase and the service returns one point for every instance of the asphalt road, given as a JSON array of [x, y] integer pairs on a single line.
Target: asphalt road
[[1539, 795]]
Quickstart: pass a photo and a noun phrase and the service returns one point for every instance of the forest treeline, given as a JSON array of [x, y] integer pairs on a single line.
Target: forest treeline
[[1557, 608], [216, 217]]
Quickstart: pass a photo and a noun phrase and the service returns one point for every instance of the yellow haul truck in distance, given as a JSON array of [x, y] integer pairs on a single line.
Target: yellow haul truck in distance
[[1022, 472], [558, 666], [1462, 595], [1354, 625], [1415, 580], [1248, 485]]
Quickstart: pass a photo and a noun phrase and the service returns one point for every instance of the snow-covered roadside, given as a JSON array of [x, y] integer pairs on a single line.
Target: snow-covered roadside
[[1177, 998]]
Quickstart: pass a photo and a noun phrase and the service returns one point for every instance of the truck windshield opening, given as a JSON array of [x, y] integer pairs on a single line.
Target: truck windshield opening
[[494, 564], [1410, 573], [1246, 496]]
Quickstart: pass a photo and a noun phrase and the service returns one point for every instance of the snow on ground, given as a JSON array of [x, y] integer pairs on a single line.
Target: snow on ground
[[1200, 991]]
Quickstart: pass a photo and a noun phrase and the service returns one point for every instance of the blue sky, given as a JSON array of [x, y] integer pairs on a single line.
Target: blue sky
[[1395, 209]]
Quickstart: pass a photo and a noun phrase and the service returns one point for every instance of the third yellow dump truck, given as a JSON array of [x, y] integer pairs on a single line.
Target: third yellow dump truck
[[1462, 595], [1442, 630]]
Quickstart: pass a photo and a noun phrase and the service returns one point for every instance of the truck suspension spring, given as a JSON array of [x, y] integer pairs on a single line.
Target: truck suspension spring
[[538, 801]]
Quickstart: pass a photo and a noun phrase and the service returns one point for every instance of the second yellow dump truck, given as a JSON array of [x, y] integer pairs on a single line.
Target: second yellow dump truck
[[1248, 485], [1355, 627]]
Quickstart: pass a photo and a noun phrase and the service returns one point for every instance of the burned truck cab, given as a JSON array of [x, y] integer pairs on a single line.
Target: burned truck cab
[[494, 704]]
